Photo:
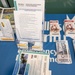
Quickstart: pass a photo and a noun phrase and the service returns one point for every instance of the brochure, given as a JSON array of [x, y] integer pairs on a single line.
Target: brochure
[[32, 63], [63, 52], [31, 46], [54, 28], [69, 26]]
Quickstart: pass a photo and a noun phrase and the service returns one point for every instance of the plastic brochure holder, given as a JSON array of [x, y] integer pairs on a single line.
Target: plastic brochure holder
[[6, 39], [40, 7], [26, 61], [6, 31], [22, 45], [34, 41], [63, 52], [28, 45]]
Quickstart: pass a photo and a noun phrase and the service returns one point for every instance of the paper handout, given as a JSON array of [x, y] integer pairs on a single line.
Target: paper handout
[[32, 63], [28, 25]]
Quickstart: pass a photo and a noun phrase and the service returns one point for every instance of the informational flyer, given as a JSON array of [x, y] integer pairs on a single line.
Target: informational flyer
[[30, 5], [54, 27], [28, 25], [63, 52], [33, 63], [6, 32], [69, 26]]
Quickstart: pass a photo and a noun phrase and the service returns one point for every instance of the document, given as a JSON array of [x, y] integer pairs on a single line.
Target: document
[[31, 5], [33, 63], [29, 25], [6, 30]]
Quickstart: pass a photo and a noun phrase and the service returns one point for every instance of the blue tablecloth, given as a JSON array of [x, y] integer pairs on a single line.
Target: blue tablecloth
[[9, 50]]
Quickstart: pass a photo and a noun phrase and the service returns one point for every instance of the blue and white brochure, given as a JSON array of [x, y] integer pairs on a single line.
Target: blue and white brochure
[[32, 63]]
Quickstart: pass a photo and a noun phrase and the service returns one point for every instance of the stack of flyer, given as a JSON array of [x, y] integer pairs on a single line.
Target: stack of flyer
[[32, 63]]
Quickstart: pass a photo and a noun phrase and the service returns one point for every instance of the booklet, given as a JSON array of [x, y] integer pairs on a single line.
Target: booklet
[[63, 52], [8, 13], [28, 25], [6, 32], [54, 28], [32, 63], [69, 26]]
